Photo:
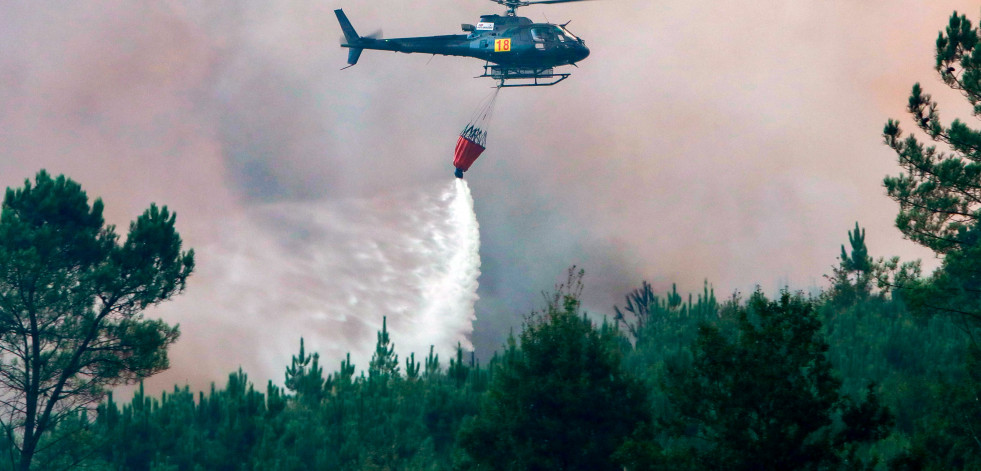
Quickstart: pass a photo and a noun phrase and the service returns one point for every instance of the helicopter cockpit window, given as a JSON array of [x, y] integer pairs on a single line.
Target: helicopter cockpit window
[[540, 35]]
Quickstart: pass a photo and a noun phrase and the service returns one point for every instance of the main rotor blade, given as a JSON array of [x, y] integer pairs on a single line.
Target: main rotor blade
[[552, 1], [512, 5], [521, 3]]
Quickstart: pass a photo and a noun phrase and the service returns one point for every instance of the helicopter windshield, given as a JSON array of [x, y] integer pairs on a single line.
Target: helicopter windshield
[[552, 33], [564, 34]]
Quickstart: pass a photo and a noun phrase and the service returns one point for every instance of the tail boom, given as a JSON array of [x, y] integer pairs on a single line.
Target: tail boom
[[449, 45]]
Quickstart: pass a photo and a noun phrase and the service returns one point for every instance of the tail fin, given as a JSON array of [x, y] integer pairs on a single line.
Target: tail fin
[[351, 38], [350, 35], [352, 56]]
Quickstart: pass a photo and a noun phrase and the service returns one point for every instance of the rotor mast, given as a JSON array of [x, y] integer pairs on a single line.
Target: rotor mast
[[511, 6]]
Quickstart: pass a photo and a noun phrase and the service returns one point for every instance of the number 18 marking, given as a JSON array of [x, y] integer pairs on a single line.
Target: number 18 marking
[[502, 45]]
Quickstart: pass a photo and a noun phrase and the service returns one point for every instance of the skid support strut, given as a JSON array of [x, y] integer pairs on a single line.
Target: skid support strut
[[533, 76]]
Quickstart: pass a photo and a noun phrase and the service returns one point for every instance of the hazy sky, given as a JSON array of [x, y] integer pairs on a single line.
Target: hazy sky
[[736, 142]]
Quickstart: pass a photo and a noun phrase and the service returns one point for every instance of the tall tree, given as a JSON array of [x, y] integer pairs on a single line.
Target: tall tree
[[559, 400], [939, 198], [852, 278], [384, 362], [939, 193], [304, 378], [71, 304]]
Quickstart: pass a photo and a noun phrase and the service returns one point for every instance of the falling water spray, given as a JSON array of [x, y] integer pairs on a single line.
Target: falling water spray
[[329, 271]]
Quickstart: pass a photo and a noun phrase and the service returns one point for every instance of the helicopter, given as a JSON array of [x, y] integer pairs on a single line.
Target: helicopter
[[515, 48]]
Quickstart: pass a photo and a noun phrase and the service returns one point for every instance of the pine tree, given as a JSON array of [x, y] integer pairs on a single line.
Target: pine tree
[[852, 278], [559, 400], [411, 368], [458, 370], [939, 194], [433, 369], [71, 304], [384, 362], [305, 377]]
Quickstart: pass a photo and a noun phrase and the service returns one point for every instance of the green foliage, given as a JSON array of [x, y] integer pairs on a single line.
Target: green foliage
[[786, 384], [305, 377], [559, 400], [880, 341], [948, 438], [384, 362], [71, 302], [794, 383], [663, 333], [940, 209], [647, 316], [557, 384], [458, 370], [858, 276], [768, 394], [939, 194], [352, 423], [953, 289], [874, 338], [853, 277], [859, 261]]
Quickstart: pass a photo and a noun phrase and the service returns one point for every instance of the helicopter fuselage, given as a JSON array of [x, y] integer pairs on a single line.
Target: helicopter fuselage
[[512, 42]]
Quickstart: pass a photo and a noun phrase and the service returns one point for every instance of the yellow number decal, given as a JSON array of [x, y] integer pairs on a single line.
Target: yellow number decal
[[502, 45]]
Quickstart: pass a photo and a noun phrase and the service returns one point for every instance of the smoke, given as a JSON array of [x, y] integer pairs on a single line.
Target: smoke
[[730, 141], [329, 271]]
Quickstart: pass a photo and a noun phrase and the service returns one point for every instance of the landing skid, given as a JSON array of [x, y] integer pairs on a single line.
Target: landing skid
[[538, 77]]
